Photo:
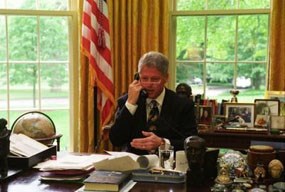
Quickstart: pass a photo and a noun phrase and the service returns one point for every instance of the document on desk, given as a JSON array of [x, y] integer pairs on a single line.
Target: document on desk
[[72, 162], [22, 145], [124, 161]]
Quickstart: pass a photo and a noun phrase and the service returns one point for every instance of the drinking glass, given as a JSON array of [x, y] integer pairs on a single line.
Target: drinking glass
[[166, 154]]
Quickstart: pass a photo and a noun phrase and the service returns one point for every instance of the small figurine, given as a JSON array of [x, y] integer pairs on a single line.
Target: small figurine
[[241, 171], [259, 172], [4, 148], [223, 176], [195, 149]]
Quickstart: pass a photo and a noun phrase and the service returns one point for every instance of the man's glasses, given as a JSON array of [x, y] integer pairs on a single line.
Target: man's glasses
[[146, 80]]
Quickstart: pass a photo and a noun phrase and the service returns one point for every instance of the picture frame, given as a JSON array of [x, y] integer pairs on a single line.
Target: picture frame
[[267, 107], [242, 112], [277, 122], [280, 95], [205, 115], [262, 121]]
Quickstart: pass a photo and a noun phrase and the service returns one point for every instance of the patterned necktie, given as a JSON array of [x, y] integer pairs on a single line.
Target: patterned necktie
[[153, 115]]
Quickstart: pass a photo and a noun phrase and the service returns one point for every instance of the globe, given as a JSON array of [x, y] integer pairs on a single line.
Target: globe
[[36, 125]]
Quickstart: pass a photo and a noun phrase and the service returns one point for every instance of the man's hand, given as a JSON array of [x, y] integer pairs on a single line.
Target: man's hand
[[134, 92], [150, 142]]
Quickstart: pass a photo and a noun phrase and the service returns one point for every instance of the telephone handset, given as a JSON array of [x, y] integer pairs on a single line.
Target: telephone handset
[[143, 92]]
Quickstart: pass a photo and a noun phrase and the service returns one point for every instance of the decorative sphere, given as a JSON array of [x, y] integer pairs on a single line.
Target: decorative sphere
[[34, 124], [235, 162]]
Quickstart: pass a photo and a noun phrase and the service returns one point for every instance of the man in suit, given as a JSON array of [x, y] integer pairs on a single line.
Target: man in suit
[[176, 118]]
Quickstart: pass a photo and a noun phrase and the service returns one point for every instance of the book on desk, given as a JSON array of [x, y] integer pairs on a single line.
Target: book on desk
[[100, 180]]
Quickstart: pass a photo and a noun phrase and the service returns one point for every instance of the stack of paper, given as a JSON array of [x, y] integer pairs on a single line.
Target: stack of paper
[[22, 145], [66, 166], [72, 162], [69, 168]]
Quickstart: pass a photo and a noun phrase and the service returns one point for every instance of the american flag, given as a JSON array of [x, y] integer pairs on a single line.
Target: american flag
[[96, 45]]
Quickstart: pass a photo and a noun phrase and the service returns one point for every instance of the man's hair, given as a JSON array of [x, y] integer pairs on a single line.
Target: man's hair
[[184, 89], [156, 60]]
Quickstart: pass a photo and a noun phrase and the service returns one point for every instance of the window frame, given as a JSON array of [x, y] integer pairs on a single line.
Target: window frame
[[233, 12], [74, 53]]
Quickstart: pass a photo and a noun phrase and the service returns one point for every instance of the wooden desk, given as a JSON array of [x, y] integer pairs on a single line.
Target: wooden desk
[[28, 181], [238, 141]]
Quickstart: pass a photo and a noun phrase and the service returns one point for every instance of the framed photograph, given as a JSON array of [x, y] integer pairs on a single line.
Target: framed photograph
[[278, 122], [262, 121], [280, 95], [205, 115], [266, 107], [241, 112]]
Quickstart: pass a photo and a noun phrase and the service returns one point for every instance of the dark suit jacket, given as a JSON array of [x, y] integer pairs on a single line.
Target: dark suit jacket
[[176, 122]]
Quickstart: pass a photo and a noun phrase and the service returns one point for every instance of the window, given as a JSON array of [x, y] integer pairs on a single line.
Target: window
[[221, 45], [36, 61]]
